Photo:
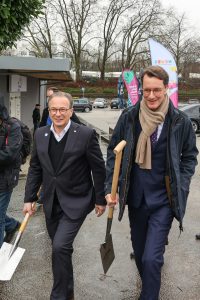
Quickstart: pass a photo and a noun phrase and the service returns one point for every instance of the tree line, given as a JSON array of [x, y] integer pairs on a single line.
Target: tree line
[[110, 35]]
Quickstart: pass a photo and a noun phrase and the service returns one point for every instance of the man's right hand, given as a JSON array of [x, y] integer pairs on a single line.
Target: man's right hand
[[29, 208], [110, 201]]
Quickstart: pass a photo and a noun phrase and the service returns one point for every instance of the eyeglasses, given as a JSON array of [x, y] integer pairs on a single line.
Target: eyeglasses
[[62, 110], [157, 92]]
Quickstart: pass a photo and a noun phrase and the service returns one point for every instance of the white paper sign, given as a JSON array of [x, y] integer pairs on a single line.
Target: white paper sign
[[18, 83]]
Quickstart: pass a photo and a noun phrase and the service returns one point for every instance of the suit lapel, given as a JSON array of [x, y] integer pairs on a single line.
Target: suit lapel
[[46, 138]]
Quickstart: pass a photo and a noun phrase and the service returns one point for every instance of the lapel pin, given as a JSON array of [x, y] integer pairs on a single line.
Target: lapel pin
[[74, 130], [46, 134]]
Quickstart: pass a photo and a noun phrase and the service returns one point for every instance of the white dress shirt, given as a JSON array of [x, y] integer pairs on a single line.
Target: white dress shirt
[[160, 126], [59, 136]]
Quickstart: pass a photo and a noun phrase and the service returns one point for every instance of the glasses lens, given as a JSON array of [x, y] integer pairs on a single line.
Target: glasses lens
[[156, 91], [53, 110], [61, 110]]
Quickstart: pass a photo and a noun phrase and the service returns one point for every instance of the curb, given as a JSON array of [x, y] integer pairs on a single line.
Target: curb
[[102, 135]]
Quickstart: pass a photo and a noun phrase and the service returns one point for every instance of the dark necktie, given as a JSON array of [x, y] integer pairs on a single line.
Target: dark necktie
[[153, 137]]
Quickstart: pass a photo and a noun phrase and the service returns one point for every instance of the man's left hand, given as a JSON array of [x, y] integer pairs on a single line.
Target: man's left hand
[[99, 210]]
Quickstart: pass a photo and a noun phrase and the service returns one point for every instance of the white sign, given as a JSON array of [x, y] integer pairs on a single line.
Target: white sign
[[15, 105], [18, 83]]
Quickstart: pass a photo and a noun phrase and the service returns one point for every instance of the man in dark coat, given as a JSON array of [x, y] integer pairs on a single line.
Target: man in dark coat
[[10, 161], [36, 117], [158, 163], [67, 160]]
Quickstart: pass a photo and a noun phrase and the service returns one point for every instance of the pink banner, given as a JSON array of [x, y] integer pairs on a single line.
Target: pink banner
[[131, 84]]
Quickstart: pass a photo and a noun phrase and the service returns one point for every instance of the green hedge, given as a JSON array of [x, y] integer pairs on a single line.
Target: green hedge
[[94, 92]]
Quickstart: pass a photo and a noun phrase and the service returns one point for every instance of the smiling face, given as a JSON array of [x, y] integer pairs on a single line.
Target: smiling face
[[60, 112], [154, 91]]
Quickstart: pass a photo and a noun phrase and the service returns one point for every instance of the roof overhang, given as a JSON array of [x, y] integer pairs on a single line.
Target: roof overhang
[[41, 68]]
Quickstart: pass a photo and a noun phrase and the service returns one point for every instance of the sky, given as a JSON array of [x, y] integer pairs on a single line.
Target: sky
[[190, 7]]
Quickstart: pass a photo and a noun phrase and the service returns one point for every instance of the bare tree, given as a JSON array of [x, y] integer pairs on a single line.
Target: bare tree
[[145, 17], [77, 17], [111, 17], [178, 37], [41, 34]]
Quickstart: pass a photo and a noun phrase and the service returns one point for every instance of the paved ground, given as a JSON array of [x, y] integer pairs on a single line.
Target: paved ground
[[180, 275]]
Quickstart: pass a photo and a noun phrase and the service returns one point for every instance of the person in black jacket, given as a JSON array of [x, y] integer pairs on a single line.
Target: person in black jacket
[[157, 165], [45, 120], [10, 161], [68, 162], [36, 117]]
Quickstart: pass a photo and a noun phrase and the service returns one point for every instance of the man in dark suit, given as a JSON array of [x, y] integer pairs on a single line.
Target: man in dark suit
[[158, 162], [67, 160]]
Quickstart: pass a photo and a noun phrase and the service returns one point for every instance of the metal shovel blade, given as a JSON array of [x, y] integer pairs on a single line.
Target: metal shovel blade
[[107, 253], [8, 265]]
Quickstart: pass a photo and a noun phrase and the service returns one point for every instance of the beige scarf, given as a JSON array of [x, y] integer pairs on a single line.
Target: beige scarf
[[149, 121]]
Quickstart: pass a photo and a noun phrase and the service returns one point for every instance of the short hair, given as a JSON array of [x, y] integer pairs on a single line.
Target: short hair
[[62, 94], [53, 88], [156, 71]]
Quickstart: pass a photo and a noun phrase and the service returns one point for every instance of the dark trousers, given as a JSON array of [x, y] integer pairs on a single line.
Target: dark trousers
[[62, 231], [149, 232]]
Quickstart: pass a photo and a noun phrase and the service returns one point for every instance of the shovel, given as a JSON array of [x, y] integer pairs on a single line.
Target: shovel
[[10, 255], [106, 249]]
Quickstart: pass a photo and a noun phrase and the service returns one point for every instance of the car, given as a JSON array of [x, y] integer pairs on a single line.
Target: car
[[193, 101], [82, 104], [100, 103], [115, 103], [193, 112]]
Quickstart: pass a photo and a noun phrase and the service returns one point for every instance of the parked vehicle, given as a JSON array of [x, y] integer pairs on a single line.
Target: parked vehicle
[[115, 103], [82, 104], [193, 101], [100, 103], [193, 112]]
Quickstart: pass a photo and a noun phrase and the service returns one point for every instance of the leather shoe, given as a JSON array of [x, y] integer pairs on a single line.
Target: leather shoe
[[10, 235], [197, 236]]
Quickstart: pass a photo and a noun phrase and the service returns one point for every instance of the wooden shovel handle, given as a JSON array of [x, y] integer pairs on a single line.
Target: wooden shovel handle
[[119, 148], [27, 216], [118, 152], [26, 219]]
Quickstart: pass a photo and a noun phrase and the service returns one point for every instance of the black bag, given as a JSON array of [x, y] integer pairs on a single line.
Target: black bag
[[27, 138]]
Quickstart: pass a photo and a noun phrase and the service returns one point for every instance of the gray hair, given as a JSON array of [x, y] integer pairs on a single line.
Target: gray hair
[[62, 94]]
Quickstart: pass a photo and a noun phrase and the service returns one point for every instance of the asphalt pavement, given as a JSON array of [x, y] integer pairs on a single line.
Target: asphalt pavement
[[33, 278]]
